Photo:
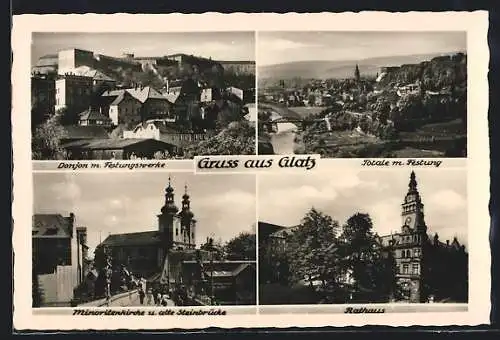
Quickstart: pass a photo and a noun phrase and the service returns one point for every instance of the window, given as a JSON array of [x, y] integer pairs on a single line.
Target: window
[[417, 252], [403, 253], [192, 235], [176, 232], [405, 269], [415, 268], [408, 253]]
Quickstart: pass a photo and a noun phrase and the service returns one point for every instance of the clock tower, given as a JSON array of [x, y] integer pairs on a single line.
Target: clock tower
[[412, 209]]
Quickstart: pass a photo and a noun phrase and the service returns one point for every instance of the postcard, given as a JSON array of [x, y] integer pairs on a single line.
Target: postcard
[[250, 170]]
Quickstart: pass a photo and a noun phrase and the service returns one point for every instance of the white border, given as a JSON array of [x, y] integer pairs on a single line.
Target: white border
[[476, 25]]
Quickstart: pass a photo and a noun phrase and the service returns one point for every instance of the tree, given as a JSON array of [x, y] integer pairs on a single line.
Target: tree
[[46, 141], [238, 138], [312, 252], [242, 247], [364, 259]]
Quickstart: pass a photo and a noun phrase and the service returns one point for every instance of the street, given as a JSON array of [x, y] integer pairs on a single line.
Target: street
[[133, 301]]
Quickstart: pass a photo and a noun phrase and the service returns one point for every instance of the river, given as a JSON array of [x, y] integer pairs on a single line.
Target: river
[[283, 140]]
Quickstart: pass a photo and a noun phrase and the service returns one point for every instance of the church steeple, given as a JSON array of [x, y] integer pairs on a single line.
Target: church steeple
[[357, 75], [412, 210], [169, 207], [186, 204]]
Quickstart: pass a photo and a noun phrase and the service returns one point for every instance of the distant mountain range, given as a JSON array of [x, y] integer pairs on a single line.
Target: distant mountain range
[[321, 69]]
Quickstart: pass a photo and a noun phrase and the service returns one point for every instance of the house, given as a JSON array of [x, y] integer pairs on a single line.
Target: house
[[251, 116], [59, 252], [92, 117], [123, 108], [236, 91], [43, 95], [152, 103], [73, 92], [99, 79], [166, 131], [230, 282]]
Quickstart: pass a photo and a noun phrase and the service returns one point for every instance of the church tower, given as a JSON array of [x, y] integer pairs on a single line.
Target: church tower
[[168, 212], [357, 75], [412, 210], [188, 223]]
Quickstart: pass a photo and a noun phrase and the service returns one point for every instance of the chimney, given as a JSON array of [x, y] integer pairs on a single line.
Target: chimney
[[71, 226], [447, 243]]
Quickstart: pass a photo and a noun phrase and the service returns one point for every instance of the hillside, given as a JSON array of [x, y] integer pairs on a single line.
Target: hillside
[[434, 74], [338, 69]]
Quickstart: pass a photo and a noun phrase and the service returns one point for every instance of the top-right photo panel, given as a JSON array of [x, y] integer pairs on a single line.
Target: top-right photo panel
[[363, 94]]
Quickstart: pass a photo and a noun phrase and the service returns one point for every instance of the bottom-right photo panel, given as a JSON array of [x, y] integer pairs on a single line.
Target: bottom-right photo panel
[[368, 237]]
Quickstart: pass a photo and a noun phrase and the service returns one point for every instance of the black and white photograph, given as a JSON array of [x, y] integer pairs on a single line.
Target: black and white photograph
[[142, 95], [347, 237], [130, 239], [357, 94]]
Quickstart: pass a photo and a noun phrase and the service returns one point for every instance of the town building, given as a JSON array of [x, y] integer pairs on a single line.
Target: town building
[[239, 67], [93, 117], [70, 59], [43, 95], [59, 253], [121, 108], [425, 267], [119, 102], [73, 92], [164, 130]]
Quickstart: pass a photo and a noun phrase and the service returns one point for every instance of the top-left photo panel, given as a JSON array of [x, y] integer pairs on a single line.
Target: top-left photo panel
[[100, 96]]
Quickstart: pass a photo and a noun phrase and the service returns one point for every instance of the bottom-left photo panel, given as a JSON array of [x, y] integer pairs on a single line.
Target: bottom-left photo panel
[[143, 239]]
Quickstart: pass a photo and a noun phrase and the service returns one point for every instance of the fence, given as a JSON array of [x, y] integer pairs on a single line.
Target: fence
[[57, 288]]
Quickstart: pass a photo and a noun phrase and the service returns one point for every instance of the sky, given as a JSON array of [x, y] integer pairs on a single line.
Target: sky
[[284, 200], [224, 205], [283, 47], [217, 45]]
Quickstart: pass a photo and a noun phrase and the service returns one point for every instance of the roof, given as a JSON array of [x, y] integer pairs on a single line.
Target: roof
[[172, 97], [251, 62], [51, 226], [223, 268], [132, 239], [141, 94], [113, 144], [160, 124], [90, 114], [86, 71], [84, 132]]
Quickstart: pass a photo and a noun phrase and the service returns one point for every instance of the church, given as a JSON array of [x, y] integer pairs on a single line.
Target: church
[[426, 268], [144, 253]]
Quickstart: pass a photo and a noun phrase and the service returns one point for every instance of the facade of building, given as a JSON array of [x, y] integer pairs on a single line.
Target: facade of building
[[152, 103], [59, 253], [73, 92], [70, 59], [92, 117], [123, 108], [43, 94]]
